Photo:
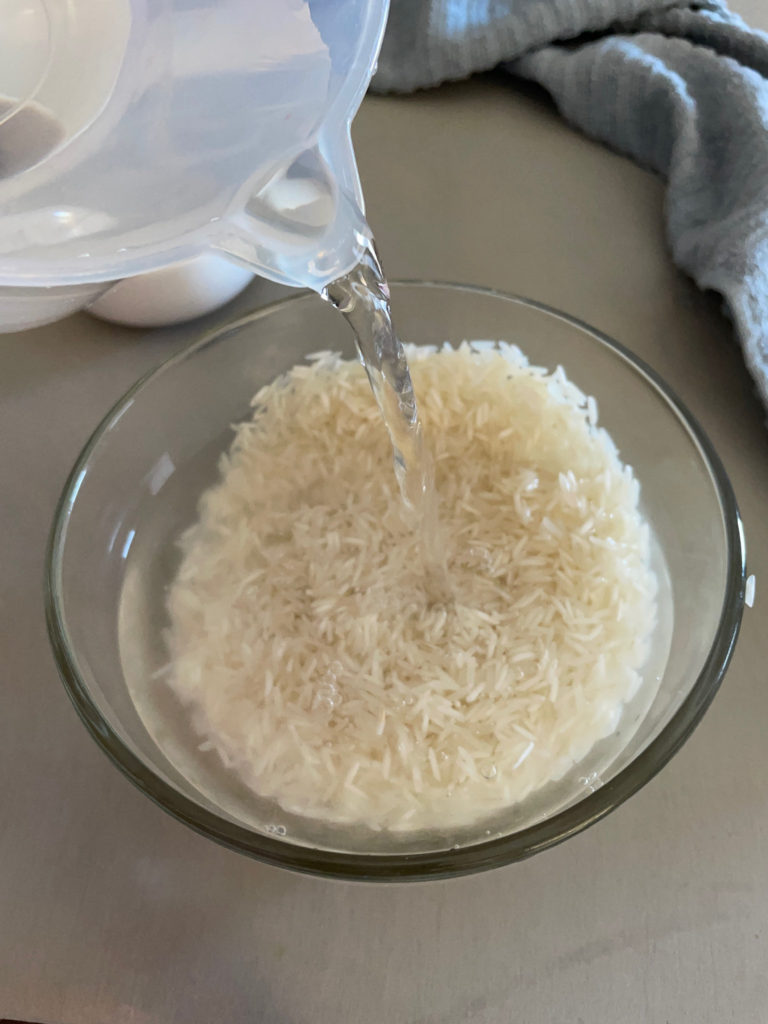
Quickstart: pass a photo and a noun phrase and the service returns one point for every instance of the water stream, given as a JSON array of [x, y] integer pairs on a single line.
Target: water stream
[[362, 296]]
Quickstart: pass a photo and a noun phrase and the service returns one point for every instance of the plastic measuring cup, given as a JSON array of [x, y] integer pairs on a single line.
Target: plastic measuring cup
[[141, 133]]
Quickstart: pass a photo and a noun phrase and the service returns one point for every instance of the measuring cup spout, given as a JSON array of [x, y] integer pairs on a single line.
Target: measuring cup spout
[[307, 222]]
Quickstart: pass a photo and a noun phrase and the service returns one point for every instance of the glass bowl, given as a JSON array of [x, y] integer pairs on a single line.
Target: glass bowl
[[135, 488]]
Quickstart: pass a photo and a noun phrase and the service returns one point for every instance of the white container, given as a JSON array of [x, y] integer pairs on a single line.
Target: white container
[[173, 294]]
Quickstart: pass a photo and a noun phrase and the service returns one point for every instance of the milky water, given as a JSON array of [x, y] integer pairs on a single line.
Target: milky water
[[362, 296]]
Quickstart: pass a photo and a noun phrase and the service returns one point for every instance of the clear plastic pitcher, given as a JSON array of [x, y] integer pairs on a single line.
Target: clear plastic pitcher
[[140, 133]]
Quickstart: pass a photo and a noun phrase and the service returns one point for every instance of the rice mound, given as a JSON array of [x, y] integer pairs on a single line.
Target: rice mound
[[302, 639]]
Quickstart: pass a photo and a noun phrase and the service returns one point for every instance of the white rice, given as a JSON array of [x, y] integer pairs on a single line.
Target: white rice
[[302, 639]]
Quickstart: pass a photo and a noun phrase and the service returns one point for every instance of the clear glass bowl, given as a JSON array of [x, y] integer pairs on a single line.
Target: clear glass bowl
[[135, 488]]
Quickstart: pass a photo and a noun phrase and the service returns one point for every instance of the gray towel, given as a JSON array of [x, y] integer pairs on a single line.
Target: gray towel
[[682, 88]]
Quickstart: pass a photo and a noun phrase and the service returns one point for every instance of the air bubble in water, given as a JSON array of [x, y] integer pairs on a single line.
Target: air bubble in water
[[488, 771], [327, 696], [277, 830], [592, 781]]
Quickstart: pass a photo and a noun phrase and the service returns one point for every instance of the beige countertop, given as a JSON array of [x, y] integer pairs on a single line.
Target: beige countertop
[[113, 913]]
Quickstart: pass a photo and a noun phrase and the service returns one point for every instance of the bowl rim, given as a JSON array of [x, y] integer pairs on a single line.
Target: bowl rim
[[400, 867]]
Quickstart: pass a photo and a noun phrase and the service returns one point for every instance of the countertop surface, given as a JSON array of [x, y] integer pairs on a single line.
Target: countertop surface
[[111, 912]]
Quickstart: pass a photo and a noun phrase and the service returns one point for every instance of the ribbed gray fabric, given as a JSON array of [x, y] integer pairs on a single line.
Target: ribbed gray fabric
[[683, 89]]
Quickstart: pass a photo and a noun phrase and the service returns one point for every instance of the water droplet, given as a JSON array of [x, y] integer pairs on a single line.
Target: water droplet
[[277, 830], [488, 771]]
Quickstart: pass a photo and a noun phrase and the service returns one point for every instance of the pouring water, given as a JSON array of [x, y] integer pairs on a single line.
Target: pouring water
[[362, 296]]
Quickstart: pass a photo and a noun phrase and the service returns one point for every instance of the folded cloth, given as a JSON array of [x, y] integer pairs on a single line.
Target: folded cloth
[[681, 88]]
